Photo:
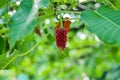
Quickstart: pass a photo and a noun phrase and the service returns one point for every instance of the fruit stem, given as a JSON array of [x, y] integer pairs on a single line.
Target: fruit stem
[[61, 24]]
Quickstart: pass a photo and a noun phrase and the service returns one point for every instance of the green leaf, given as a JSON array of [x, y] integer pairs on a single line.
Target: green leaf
[[105, 23], [26, 43], [2, 45], [3, 10], [117, 4], [2, 3], [13, 1], [43, 3], [22, 22]]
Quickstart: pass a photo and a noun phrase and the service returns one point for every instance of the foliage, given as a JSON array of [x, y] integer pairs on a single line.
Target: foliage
[[27, 40], [108, 28]]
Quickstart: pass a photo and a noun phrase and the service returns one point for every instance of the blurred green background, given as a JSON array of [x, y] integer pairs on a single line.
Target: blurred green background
[[84, 58]]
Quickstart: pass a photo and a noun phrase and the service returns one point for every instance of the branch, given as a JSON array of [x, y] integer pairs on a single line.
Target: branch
[[25, 53]]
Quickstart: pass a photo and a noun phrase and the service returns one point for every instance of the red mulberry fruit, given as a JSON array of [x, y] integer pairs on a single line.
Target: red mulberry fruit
[[61, 34], [61, 38]]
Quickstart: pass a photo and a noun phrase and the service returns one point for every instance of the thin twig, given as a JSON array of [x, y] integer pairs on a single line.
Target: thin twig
[[9, 62], [25, 52], [112, 5]]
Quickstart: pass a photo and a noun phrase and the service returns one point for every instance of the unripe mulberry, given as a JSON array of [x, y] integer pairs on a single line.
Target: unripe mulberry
[[61, 38], [66, 24], [37, 31]]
